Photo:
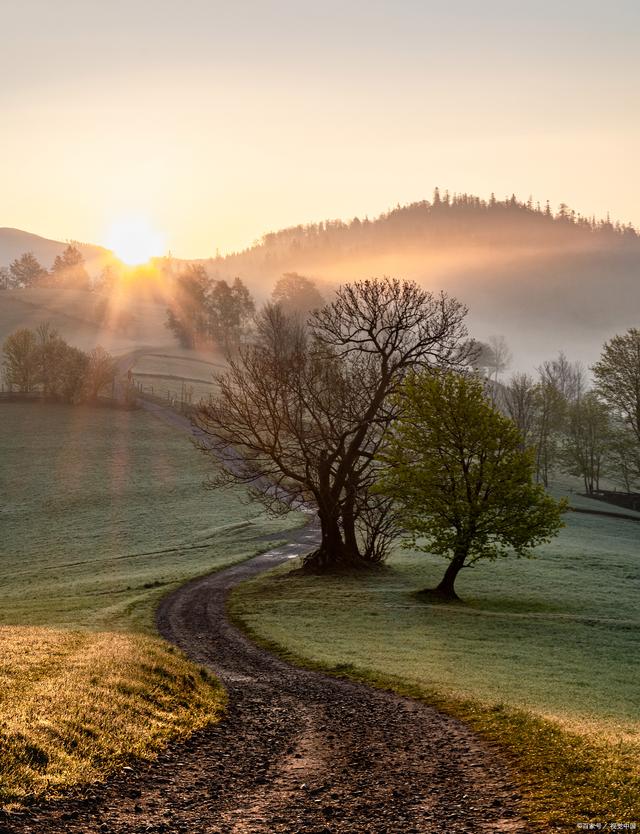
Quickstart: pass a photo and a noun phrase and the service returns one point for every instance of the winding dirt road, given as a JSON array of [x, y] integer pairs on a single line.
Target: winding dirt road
[[298, 751]]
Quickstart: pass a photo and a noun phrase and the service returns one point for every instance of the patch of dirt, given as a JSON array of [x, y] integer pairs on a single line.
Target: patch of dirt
[[298, 752]]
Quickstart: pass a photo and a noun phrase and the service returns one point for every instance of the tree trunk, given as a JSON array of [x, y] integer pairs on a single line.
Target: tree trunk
[[446, 587], [334, 554]]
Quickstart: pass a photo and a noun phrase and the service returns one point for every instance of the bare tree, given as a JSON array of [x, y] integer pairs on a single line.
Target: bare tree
[[307, 409], [587, 440], [520, 402], [499, 356]]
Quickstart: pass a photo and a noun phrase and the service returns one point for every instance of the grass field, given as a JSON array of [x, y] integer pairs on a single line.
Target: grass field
[[541, 656], [177, 374], [102, 512]]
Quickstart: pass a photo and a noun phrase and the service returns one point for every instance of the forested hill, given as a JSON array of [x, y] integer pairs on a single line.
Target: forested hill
[[461, 221], [545, 279]]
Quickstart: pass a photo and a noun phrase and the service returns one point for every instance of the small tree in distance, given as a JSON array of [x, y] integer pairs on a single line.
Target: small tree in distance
[[457, 470], [297, 295], [26, 270]]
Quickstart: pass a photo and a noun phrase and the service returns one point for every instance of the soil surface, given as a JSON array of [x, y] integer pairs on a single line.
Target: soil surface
[[298, 751]]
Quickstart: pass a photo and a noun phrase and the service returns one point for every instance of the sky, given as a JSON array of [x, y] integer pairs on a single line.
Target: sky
[[215, 122]]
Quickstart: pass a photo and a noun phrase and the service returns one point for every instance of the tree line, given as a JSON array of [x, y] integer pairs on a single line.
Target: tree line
[[210, 313], [318, 408], [447, 219], [379, 411], [589, 432], [42, 361], [68, 271]]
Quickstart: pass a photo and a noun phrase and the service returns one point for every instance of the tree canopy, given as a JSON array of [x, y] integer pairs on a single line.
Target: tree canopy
[[297, 295], [307, 408], [456, 469], [617, 376], [26, 270], [205, 312]]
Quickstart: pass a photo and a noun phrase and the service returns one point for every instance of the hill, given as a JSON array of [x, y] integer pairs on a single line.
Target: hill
[[84, 318], [546, 281], [15, 242]]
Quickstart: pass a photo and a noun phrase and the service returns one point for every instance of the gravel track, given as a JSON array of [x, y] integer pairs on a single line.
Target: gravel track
[[298, 751]]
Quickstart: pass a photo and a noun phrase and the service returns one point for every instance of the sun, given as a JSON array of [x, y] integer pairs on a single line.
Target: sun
[[134, 240]]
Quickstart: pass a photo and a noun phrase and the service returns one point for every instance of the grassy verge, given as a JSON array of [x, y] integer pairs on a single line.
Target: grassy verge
[[537, 660], [102, 513], [77, 705]]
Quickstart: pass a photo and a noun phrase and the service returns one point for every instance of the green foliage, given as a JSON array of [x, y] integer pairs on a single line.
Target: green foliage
[[617, 377], [456, 467]]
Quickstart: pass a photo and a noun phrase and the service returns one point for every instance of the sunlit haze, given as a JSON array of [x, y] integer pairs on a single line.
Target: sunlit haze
[[134, 240], [218, 121]]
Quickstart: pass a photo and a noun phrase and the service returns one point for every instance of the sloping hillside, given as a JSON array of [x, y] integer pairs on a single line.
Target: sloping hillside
[[14, 242], [85, 319], [547, 282]]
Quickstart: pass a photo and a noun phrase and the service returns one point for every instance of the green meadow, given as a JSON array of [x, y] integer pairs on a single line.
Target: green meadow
[[541, 655], [102, 512]]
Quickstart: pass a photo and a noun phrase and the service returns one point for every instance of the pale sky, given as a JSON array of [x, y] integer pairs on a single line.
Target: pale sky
[[217, 122]]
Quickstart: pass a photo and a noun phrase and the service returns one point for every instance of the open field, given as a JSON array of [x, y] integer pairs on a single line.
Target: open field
[[541, 656], [102, 512], [132, 329], [177, 373]]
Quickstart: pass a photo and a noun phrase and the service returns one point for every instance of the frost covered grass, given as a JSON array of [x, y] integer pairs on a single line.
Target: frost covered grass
[[103, 512], [541, 656]]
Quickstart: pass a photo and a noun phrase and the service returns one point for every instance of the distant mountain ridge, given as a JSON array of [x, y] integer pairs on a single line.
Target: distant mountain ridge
[[547, 281], [15, 242]]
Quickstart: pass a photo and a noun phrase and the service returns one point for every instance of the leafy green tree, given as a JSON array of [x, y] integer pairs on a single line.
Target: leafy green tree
[[456, 468], [21, 361], [26, 270], [623, 459], [617, 376]]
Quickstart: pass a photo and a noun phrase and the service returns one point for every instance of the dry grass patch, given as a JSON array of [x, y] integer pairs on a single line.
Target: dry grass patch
[[76, 705]]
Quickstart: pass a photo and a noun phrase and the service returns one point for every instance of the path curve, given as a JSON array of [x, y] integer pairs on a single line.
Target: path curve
[[297, 752]]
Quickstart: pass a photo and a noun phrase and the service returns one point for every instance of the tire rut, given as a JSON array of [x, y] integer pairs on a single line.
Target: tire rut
[[297, 751]]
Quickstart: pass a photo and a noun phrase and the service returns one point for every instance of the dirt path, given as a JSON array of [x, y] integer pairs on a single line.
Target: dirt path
[[297, 752]]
